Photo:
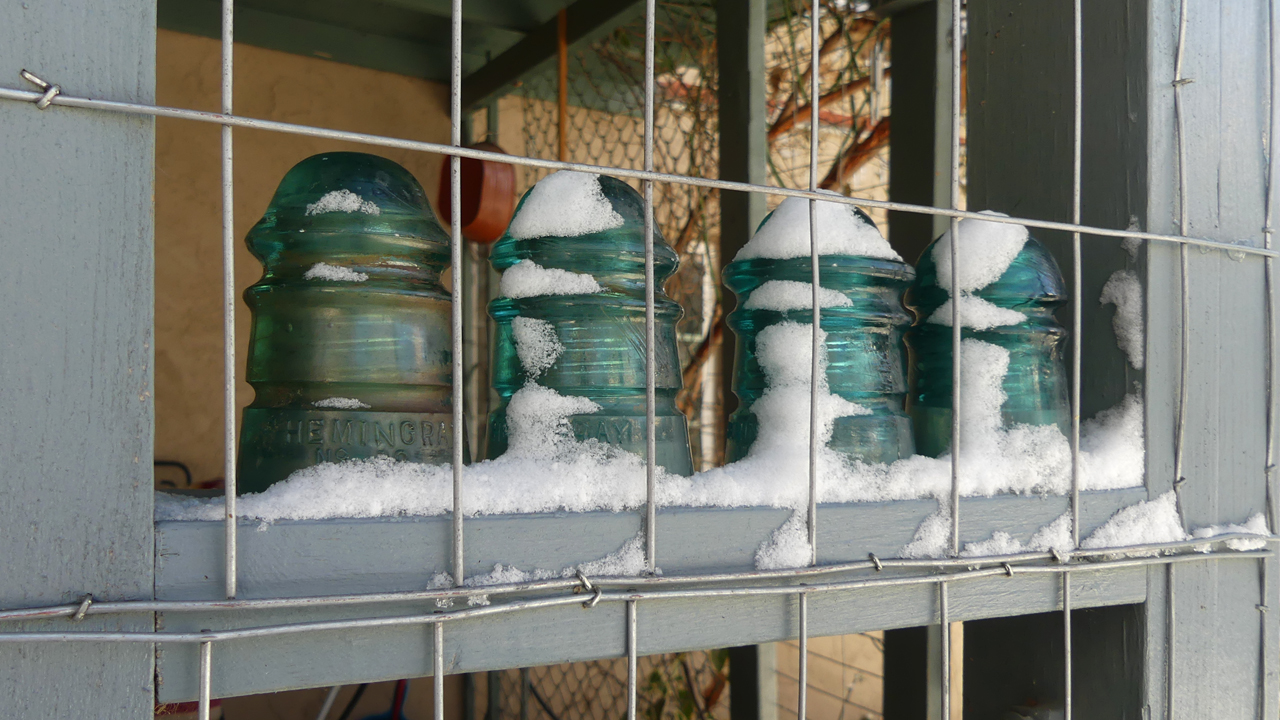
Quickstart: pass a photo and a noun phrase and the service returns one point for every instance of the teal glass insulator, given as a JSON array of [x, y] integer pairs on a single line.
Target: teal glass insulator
[[349, 355], [866, 362], [1036, 383], [602, 333]]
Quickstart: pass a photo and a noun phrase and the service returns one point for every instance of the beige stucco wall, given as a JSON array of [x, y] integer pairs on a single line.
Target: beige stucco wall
[[270, 85]]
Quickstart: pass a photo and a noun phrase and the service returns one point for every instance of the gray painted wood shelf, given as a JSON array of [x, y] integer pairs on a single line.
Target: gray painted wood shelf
[[331, 557]]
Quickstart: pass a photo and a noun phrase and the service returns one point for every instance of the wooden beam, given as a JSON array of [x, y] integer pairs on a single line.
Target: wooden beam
[[77, 277], [744, 150], [423, 53], [330, 557], [587, 20]]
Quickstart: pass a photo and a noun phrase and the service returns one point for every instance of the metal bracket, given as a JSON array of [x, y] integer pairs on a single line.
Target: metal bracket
[[51, 91], [85, 602]]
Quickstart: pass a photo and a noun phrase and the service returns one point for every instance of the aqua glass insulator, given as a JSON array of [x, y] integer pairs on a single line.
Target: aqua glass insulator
[[603, 334], [866, 362], [349, 355], [1036, 383]]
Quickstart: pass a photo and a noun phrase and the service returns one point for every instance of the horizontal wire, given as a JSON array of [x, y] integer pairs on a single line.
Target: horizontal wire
[[633, 595], [126, 606], [418, 145]]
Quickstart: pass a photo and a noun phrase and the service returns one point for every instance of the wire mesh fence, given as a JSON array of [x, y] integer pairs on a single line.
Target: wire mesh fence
[[860, 133]]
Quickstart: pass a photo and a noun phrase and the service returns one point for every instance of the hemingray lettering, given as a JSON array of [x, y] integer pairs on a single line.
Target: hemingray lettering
[[366, 433]]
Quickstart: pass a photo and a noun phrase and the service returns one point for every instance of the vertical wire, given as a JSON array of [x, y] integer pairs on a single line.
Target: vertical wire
[[1077, 281], [329, 700], [650, 379], [944, 621], [1264, 660], [1169, 640], [437, 671], [1077, 336], [632, 685], [815, 368], [802, 699], [955, 278], [1068, 679], [228, 304], [1183, 257], [455, 222], [206, 680], [1273, 132]]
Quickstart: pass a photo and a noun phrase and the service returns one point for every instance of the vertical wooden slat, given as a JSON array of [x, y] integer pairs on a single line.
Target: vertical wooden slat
[[76, 278]]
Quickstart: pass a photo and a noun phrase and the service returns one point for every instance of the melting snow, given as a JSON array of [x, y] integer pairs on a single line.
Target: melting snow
[[340, 403], [787, 547], [841, 231], [985, 251], [784, 295], [1256, 525], [529, 279], [1153, 521], [1124, 290], [564, 204], [333, 273], [342, 201], [537, 344], [977, 313]]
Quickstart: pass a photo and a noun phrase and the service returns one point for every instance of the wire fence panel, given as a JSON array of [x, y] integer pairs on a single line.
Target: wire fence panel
[[641, 104]]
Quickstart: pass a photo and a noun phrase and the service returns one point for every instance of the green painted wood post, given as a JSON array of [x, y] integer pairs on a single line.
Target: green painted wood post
[[76, 279]]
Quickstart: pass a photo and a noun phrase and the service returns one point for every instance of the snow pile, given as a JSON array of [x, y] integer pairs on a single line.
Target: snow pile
[[1112, 447], [933, 538], [537, 344], [342, 201], [564, 204], [841, 231], [985, 250], [775, 471], [1022, 458], [529, 279], [1256, 525], [340, 403], [333, 273], [1054, 536], [547, 469], [1145, 523], [626, 561], [787, 547], [784, 295], [977, 313], [1124, 290]]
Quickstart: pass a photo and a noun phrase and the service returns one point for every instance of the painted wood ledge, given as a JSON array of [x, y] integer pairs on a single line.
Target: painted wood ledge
[[329, 557]]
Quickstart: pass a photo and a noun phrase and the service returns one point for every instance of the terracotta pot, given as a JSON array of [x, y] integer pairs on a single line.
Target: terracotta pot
[[488, 196]]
